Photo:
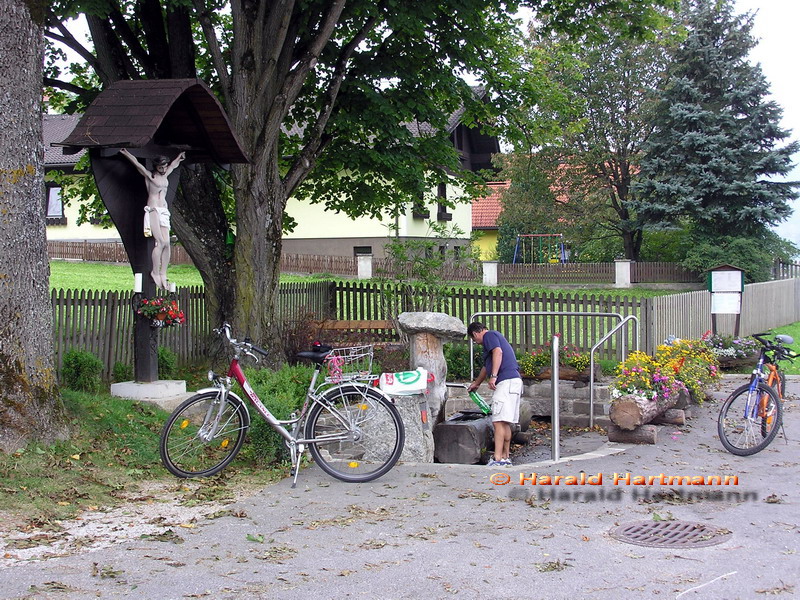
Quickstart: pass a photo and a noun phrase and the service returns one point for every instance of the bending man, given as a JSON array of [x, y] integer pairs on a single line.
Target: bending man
[[500, 363]]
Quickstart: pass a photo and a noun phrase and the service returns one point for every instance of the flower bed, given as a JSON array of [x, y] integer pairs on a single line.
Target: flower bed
[[681, 365], [732, 352]]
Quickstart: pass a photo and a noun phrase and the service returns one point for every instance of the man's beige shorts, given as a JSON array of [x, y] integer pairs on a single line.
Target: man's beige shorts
[[505, 401]]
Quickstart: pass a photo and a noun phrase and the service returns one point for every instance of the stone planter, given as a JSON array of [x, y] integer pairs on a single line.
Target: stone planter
[[736, 363], [566, 374]]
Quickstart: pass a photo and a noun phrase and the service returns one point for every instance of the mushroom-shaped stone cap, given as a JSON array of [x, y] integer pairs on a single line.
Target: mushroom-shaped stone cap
[[439, 324]]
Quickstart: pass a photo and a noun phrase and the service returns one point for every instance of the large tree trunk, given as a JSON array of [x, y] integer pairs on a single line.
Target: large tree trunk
[[202, 228], [30, 406], [259, 207]]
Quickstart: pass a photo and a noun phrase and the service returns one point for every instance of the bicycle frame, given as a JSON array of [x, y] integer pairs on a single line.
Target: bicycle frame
[[223, 386], [770, 377]]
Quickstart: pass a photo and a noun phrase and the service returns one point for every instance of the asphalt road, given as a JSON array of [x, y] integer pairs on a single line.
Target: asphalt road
[[432, 531]]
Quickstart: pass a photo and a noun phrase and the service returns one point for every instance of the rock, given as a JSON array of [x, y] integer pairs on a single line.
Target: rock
[[419, 435], [462, 439], [427, 333], [439, 324]]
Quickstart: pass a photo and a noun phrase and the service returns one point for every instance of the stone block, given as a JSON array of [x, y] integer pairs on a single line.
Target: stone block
[[419, 435], [462, 440]]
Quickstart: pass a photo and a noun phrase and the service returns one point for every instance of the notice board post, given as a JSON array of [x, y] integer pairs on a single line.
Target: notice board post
[[726, 284]]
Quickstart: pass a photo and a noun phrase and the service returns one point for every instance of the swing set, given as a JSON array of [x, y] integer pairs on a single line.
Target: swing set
[[534, 248]]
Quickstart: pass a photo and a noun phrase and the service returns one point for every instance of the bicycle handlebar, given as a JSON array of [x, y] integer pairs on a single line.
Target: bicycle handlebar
[[778, 346], [246, 345]]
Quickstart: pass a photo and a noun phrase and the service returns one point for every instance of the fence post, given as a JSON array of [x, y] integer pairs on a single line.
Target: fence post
[[364, 266], [623, 273], [331, 301], [490, 273]]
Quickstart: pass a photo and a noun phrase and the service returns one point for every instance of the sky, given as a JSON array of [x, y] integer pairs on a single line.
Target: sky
[[776, 29]]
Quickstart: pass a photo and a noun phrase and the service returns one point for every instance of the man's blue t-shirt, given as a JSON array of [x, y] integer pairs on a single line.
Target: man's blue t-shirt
[[509, 369]]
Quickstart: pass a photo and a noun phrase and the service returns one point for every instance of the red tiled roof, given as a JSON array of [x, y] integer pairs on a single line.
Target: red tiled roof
[[487, 209]]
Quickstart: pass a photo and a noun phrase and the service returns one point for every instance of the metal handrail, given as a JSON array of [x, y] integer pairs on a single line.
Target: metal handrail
[[555, 415], [614, 330], [532, 313]]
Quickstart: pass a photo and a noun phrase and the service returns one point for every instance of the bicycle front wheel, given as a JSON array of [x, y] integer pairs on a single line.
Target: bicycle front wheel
[[749, 420], [355, 434], [202, 436]]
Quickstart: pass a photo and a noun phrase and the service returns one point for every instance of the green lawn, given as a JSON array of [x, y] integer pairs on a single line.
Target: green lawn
[[106, 276], [114, 277], [792, 368]]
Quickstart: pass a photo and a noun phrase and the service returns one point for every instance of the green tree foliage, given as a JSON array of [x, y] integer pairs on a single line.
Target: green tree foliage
[[344, 103], [716, 146], [417, 274], [529, 204], [755, 254], [592, 165]]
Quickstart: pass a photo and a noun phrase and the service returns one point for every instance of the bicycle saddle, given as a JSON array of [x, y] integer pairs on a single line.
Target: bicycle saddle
[[314, 356]]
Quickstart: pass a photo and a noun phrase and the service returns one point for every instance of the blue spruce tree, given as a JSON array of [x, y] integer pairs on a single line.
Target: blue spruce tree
[[717, 138]]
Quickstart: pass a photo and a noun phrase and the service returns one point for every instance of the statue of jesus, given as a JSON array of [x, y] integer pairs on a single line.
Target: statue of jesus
[[156, 213]]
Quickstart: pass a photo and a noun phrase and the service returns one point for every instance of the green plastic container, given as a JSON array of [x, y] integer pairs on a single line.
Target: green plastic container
[[485, 408]]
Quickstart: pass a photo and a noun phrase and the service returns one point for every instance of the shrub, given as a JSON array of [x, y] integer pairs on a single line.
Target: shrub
[[167, 363], [121, 372], [540, 358], [391, 359], [81, 371], [282, 392], [298, 334], [457, 357]]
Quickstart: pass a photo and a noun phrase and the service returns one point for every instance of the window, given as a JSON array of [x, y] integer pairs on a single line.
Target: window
[[55, 206], [362, 250], [442, 213], [418, 211]]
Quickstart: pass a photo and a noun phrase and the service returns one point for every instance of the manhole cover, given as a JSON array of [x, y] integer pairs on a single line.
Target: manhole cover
[[670, 534]]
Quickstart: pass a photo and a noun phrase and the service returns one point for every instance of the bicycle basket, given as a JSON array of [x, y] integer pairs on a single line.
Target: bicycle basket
[[349, 363]]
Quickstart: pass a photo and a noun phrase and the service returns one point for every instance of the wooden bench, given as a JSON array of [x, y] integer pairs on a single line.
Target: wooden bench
[[356, 330]]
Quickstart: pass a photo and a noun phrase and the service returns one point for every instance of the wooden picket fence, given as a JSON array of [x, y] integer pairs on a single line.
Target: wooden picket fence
[[346, 266], [662, 272], [306, 264], [101, 322], [105, 252], [549, 273]]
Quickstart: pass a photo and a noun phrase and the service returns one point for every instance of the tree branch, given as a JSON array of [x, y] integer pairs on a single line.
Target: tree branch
[[63, 85], [294, 82], [127, 35], [314, 145], [214, 49], [65, 37], [280, 22]]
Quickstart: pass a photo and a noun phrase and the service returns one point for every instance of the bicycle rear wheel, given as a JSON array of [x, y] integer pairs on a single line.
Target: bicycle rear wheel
[[190, 448], [749, 420], [355, 434]]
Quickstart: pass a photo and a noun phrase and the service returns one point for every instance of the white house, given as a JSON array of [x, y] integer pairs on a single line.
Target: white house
[[62, 221]]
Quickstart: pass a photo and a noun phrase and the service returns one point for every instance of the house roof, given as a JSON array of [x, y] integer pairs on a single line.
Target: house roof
[[167, 112], [486, 209], [54, 129]]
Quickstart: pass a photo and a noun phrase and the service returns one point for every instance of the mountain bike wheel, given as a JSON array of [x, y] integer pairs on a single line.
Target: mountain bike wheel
[[188, 451], [355, 434], [749, 421]]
